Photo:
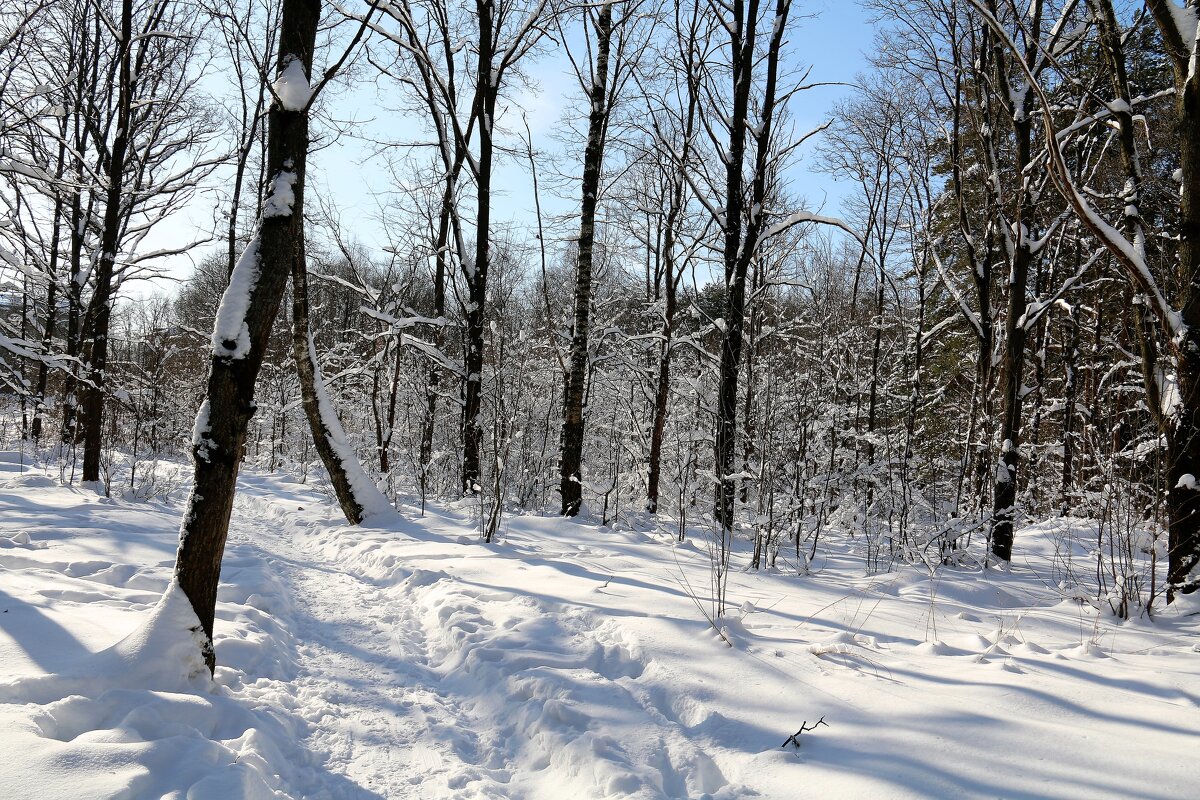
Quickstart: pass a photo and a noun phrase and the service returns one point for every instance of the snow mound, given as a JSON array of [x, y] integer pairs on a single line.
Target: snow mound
[[30, 480], [163, 654], [291, 87], [135, 720]]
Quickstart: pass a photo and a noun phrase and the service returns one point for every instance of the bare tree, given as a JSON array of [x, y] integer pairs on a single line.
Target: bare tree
[[602, 83], [244, 320]]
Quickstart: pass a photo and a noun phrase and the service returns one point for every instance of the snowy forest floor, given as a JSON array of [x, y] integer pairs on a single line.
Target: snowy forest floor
[[565, 661]]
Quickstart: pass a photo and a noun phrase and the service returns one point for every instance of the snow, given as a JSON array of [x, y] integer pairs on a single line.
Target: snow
[[1187, 21], [202, 443], [366, 493], [1168, 390], [282, 197], [565, 661], [291, 87], [231, 334]]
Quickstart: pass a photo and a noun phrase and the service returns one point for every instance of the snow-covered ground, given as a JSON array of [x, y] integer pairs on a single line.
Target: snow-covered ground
[[565, 661]]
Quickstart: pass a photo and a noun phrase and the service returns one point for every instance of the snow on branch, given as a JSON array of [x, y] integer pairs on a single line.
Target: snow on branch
[[801, 217], [1126, 252]]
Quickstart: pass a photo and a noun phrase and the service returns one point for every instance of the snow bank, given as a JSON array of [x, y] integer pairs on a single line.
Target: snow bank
[[140, 718], [163, 654], [567, 661]]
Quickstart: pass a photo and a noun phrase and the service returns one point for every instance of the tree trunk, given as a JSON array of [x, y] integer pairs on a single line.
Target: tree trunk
[[1183, 448], [1005, 496], [79, 216], [43, 369], [571, 464], [356, 493], [742, 39], [429, 423], [661, 396], [486, 91], [99, 310], [1020, 257], [242, 332]]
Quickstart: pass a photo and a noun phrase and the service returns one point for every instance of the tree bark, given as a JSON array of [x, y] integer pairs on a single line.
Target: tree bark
[[1020, 258], [742, 241], [742, 40], [99, 310], [486, 91], [571, 463], [1183, 438], [356, 493], [220, 435]]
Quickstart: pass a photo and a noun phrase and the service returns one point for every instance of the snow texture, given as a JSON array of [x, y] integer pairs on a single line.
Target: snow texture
[[567, 661], [202, 443], [282, 197]]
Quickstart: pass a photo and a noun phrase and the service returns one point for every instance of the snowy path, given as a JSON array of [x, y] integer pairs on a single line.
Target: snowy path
[[361, 658], [421, 684], [519, 671]]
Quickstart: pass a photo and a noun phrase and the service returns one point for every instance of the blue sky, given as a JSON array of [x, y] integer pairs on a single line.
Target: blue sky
[[831, 36]]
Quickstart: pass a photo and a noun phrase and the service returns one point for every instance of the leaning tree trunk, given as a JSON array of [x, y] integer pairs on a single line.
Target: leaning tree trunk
[[243, 329], [571, 465], [356, 493]]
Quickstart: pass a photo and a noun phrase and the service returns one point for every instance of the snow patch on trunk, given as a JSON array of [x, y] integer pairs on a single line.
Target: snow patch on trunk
[[283, 196], [231, 333], [291, 87]]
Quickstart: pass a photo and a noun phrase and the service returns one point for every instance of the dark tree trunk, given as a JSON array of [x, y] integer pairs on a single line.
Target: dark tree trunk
[[662, 389], [1183, 448], [99, 310], [742, 241], [1013, 366], [442, 244], [672, 273], [43, 370], [79, 216], [662, 392], [1070, 392], [486, 92], [221, 425], [742, 38], [1020, 258], [447, 228], [571, 462]]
